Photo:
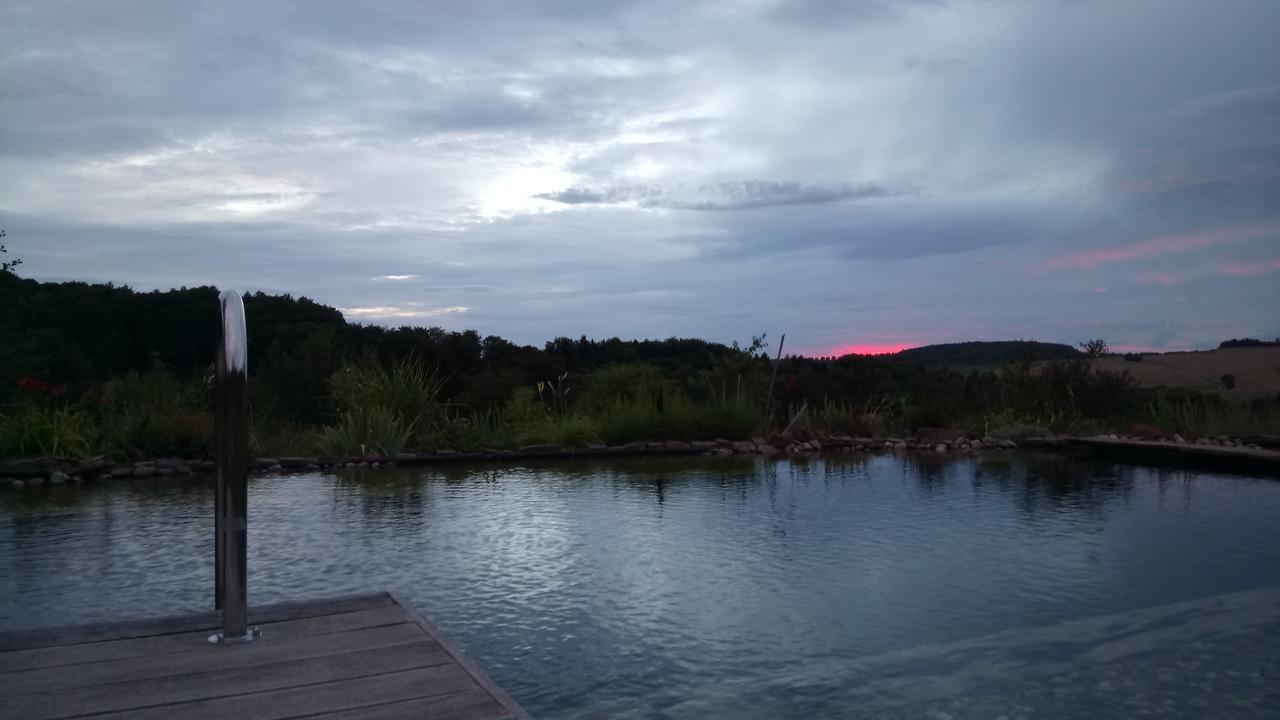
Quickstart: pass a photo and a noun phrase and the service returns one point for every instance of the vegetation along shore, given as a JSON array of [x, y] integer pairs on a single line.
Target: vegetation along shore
[[102, 374]]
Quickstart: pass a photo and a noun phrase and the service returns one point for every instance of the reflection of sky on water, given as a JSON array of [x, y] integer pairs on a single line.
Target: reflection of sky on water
[[595, 582]]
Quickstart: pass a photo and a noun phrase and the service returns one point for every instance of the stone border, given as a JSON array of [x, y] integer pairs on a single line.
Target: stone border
[[59, 471], [1223, 453]]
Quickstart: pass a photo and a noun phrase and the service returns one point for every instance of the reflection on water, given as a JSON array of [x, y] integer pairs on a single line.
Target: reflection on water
[[644, 584]]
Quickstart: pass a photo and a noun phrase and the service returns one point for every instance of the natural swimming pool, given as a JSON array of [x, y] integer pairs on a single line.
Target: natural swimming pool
[[883, 586]]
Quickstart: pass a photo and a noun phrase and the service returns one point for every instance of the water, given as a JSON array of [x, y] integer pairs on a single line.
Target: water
[[647, 586]]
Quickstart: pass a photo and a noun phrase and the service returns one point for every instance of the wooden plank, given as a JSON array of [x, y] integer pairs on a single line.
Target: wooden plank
[[235, 681], [313, 699], [475, 704], [461, 658], [209, 658], [96, 632], [100, 651]]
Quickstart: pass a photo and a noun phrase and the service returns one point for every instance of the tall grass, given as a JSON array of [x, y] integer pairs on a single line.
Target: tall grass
[[850, 419], [366, 430], [401, 398], [32, 431]]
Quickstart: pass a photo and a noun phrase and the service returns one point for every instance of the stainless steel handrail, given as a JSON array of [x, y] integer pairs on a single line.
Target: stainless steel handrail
[[231, 520]]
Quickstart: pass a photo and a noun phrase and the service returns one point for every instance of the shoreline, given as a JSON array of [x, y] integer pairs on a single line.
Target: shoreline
[[1219, 454]]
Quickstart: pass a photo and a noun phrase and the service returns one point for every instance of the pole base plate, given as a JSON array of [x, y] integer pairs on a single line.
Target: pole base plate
[[220, 639]]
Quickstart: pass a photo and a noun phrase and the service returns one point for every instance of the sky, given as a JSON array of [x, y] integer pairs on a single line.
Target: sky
[[862, 175]]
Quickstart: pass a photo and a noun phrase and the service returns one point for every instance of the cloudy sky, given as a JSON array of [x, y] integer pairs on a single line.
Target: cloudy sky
[[865, 173]]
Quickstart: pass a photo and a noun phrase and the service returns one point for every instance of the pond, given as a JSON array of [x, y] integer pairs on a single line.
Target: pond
[[880, 586]]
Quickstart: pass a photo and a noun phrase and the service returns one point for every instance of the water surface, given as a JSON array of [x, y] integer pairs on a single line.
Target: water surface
[[641, 586]]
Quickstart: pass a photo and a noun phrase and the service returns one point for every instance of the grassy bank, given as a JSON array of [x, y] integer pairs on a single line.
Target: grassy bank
[[99, 370], [399, 407]]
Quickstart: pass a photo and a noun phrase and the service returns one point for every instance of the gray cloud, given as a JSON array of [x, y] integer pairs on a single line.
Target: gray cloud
[[530, 162], [743, 195]]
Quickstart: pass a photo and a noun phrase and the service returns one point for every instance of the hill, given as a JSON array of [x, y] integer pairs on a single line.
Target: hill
[[971, 354]]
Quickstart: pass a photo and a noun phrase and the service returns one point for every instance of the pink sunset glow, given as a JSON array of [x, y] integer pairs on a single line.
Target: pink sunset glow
[[1245, 269], [866, 349], [1158, 278], [1159, 246]]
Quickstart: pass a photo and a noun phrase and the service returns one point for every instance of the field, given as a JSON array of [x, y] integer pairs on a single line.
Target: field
[[1257, 370]]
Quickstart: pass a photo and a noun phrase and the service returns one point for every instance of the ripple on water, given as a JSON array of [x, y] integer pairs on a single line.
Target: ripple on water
[[638, 585]]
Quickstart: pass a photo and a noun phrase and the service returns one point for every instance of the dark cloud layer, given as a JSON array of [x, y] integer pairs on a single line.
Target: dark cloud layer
[[744, 195], [862, 172]]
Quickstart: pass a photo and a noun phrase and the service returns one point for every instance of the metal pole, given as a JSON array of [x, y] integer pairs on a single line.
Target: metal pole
[[231, 506]]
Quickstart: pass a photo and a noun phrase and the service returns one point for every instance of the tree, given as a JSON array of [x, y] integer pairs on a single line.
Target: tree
[[8, 265], [1095, 348]]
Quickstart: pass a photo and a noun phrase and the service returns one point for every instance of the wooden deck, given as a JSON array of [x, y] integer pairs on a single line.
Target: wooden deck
[[367, 656]]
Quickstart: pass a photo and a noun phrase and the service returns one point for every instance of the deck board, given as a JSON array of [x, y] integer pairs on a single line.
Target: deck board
[[367, 656]]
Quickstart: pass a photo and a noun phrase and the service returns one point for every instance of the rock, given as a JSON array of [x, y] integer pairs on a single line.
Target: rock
[[182, 470], [104, 477], [744, 447], [1179, 439], [164, 471], [676, 445], [143, 470], [17, 484], [275, 468], [375, 466], [57, 477], [940, 448], [350, 466], [312, 468], [120, 471]]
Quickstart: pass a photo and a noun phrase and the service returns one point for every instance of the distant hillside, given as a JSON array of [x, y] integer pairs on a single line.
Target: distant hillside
[[985, 353], [1254, 370]]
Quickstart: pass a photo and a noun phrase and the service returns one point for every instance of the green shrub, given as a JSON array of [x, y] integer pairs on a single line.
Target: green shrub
[[676, 419], [728, 421], [154, 412], [477, 431], [625, 422], [364, 430], [623, 384], [274, 437], [569, 431]]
